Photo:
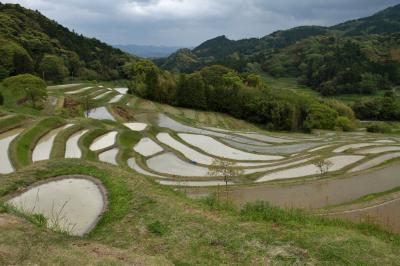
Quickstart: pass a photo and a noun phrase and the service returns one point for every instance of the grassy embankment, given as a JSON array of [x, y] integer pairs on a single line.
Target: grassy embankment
[[150, 224]]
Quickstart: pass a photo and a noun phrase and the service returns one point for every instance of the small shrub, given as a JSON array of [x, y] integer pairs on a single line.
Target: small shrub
[[379, 127], [157, 228], [39, 220], [344, 123]]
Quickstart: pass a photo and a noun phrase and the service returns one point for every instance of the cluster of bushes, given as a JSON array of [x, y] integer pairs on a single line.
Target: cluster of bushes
[[385, 108], [379, 127], [339, 65], [245, 96]]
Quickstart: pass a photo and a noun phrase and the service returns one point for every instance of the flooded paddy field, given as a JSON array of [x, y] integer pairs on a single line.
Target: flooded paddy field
[[176, 147], [70, 204]]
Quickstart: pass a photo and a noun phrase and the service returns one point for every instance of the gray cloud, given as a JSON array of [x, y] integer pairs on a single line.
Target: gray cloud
[[189, 22]]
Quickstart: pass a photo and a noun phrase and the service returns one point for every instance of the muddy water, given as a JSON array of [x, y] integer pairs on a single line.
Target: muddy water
[[272, 149], [116, 98], [100, 113], [216, 148], [5, 140], [71, 204], [122, 90], [169, 163], [136, 126], [167, 122], [43, 148], [134, 166], [318, 193], [104, 141], [72, 149], [109, 156], [193, 183], [386, 215], [147, 147]]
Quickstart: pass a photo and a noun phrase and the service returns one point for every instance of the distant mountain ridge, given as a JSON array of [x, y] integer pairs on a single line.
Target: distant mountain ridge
[[236, 53], [148, 51]]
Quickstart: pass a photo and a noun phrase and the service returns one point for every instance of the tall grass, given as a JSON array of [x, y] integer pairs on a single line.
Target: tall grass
[[265, 212], [8, 123]]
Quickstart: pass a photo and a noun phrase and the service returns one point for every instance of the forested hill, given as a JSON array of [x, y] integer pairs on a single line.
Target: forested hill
[[236, 54], [386, 21], [32, 43]]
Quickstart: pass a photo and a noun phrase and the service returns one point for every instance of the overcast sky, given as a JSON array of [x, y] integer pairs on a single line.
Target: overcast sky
[[189, 22]]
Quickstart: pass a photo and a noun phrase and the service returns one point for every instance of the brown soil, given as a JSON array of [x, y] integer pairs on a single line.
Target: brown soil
[[123, 112]]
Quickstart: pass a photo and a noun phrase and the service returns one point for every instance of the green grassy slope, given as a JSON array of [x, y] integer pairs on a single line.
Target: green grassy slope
[[148, 224]]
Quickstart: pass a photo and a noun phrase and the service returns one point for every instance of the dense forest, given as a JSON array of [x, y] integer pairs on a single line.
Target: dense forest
[[245, 96], [356, 57], [236, 54], [31, 43]]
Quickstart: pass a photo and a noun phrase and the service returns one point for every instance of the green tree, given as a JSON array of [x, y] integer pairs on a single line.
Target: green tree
[[320, 116], [369, 83], [254, 80], [14, 59], [53, 68], [31, 87], [192, 91]]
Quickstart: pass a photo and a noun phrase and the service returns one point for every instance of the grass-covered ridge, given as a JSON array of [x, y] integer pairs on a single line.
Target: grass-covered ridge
[[157, 224]]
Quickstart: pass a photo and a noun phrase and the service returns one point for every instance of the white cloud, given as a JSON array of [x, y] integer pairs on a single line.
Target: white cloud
[[172, 9]]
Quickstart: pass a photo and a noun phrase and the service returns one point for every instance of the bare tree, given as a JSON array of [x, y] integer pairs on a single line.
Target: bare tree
[[226, 169], [323, 165]]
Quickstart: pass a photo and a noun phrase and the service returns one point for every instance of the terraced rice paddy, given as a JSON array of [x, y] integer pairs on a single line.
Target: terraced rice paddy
[[136, 126], [72, 149], [104, 141], [134, 166], [215, 148], [175, 153], [43, 148], [116, 98], [379, 150], [103, 95], [5, 140], [338, 162], [100, 113], [71, 205], [122, 90], [376, 161], [169, 163], [109, 156], [189, 153], [78, 91], [147, 147]]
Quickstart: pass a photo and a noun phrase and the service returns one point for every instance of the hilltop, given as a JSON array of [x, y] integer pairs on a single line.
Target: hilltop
[[32, 43], [238, 53]]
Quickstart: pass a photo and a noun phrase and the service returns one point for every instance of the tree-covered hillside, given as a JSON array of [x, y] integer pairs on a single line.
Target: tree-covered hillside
[[32, 43], [236, 54]]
